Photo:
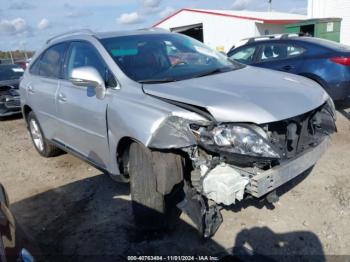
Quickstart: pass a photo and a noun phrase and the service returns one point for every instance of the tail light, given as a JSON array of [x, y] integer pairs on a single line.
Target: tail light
[[341, 60]]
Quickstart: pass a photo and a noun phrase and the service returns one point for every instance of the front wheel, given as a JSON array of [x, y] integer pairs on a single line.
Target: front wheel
[[151, 209]]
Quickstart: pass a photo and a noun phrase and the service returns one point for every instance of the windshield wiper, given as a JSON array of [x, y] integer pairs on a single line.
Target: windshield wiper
[[214, 71], [155, 81]]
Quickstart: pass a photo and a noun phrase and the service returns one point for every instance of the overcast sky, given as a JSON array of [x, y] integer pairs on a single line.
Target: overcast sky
[[28, 23]]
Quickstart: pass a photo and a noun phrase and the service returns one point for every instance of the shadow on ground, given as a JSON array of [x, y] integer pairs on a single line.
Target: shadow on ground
[[11, 117], [91, 220]]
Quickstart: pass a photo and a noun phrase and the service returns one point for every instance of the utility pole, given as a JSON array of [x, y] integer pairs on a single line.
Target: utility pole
[[270, 5], [11, 57], [25, 53]]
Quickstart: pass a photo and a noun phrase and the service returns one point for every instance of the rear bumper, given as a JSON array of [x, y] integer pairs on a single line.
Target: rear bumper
[[269, 180]]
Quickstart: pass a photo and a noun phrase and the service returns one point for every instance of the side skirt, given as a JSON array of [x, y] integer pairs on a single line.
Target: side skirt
[[78, 155]]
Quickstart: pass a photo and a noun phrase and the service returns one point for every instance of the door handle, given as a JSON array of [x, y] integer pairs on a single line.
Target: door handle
[[287, 68], [62, 97], [30, 89]]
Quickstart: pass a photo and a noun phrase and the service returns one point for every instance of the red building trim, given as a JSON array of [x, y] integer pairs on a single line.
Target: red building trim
[[267, 21]]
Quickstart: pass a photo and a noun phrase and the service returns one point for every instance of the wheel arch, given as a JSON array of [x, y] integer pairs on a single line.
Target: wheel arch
[[25, 111], [166, 181], [122, 149], [315, 78]]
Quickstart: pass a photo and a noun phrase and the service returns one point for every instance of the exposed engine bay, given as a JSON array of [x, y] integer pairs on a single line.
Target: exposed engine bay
[[252, 160]]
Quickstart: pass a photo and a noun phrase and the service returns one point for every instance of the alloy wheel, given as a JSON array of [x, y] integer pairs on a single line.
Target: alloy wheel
[[36, 135]]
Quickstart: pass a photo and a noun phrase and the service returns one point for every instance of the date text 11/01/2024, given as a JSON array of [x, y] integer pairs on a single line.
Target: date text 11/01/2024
[[173, 258]]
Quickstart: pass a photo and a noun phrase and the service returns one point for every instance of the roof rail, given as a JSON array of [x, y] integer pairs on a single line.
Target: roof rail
[[73, 32], [286, 35], [274, 36], [154, 29]]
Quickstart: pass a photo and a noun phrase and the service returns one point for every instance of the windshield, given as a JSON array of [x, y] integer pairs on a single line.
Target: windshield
[[165, 57], [10, 72]]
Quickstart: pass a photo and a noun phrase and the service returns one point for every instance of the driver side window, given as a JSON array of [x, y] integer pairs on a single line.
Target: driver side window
[[83, 54]]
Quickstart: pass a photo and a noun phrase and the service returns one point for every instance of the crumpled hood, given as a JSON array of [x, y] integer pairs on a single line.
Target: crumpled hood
[[13, 82], [250, 94]]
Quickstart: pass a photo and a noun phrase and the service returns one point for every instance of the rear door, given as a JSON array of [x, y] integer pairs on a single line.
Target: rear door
[[83, 125], [42, 87], [280, 56]]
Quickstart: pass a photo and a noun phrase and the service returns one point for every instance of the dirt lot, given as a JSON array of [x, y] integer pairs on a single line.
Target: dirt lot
[[73, 210]]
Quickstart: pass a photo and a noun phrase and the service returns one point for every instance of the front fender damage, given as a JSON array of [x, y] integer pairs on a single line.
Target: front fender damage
[[173, 132]]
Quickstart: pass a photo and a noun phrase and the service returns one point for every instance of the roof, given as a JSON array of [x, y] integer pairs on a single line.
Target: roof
[[76, 34], [144, 31], [264, 17], [304, 39]]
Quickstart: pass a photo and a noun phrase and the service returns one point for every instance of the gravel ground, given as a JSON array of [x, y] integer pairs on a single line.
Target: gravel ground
[[73, 210]]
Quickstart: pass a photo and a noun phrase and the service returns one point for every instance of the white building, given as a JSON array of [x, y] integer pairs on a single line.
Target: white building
[[333, 8], [221, 29]]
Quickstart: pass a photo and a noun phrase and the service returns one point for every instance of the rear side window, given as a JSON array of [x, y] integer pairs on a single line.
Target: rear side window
[[279, 51], [295, 51], [50, 62], [245, 55]]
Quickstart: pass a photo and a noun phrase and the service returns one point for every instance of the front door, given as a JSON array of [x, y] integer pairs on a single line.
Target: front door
[[82, 115]]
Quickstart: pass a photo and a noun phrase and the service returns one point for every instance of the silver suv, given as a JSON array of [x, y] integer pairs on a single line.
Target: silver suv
[[190, 129]]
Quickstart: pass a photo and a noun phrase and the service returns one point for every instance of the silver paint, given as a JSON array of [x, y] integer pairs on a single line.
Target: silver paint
[[250, 94], [94, 127]]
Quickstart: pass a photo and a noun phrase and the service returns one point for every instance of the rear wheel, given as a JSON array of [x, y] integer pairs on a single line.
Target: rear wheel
[[152, 210], [41, 144]]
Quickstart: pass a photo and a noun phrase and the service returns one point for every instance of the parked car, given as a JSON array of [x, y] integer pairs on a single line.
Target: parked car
[[9, 96], [187, 126], [22, 64], [324, 61], [13, 242]]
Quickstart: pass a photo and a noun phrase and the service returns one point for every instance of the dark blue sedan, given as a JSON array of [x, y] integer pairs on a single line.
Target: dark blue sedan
[[323, 61]]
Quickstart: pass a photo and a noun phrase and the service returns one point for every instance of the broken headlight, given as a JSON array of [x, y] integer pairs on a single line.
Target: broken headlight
[[238, 139]]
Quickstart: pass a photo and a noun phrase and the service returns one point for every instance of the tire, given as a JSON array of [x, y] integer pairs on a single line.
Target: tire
[[41, 144], [151, 209], [2, 249]]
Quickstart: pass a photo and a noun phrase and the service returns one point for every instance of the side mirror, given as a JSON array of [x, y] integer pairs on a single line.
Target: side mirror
[[89, 76]]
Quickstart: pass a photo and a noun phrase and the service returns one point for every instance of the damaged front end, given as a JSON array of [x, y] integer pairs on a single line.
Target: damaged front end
[[9, 101], [231, 161]]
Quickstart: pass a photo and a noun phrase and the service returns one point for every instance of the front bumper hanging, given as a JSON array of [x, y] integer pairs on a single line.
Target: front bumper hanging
[[203, 207], [269, 180], [10, 105]]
